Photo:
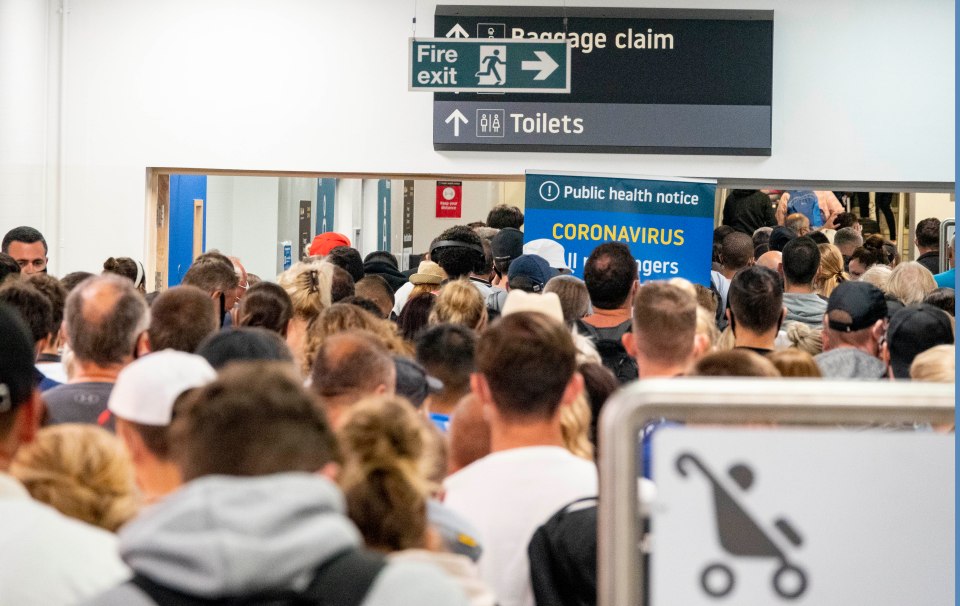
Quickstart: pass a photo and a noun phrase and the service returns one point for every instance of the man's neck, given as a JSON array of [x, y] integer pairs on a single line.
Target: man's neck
[[926, 249], [507, 436], [91, 372], [798, 289], [157, 479], [728, 273], [870, 348], [746, 338]]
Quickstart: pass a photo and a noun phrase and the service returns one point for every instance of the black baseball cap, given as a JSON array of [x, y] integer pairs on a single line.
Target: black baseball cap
[[17, 372], [506, 246], [913, 330], [862, 302]]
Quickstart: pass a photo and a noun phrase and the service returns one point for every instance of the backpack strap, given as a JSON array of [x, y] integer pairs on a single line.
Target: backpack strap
[[345, 579]]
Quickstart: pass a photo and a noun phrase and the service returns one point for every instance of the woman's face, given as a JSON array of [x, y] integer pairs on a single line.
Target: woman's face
[[857, 269]]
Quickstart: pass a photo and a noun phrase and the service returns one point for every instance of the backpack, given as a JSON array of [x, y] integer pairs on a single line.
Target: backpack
[[805, 202], [563, 557], [343, 580], [610, 347]]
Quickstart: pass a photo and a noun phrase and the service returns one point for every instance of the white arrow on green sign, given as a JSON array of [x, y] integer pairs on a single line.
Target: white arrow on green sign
[[482, 65]]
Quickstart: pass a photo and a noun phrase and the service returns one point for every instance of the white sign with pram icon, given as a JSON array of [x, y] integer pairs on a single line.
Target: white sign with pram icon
[[790, 516]]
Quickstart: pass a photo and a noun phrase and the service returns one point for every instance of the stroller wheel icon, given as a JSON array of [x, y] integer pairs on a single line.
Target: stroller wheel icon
[[741, 535]]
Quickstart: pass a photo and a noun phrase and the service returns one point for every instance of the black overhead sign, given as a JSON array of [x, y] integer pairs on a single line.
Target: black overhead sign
[[666, 81]]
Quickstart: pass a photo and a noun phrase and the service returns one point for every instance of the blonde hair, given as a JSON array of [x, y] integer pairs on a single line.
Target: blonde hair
[[937, 364], [308, 285], [805, 338], [575, 427], [384, 446], [341, 317], [794, 363], [878, 275], [910, 282], [82, 471], [707, 326], [831, 271], [459, 302], [726, 341]]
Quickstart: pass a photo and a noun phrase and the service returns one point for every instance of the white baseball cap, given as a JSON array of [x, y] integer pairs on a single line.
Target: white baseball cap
[[547, 303], [550, 250], [147, 388]]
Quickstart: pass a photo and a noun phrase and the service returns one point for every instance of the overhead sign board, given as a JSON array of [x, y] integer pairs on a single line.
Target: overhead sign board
[[667, 223], [490, 65], [642, 81]]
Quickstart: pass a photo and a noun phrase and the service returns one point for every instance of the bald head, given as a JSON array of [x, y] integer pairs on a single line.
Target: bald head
[[771, 260], [350, 366], [798, 222], [469, 434], [104, 316]]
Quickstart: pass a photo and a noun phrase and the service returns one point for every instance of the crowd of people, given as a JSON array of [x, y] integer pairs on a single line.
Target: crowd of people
[[353, 433]]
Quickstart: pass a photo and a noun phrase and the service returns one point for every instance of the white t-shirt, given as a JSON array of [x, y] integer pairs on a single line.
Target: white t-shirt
[[48, 559], [507, 495]]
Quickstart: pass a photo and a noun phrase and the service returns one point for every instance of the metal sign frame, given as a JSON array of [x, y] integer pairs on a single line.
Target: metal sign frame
[[726, 401], [945, 226]]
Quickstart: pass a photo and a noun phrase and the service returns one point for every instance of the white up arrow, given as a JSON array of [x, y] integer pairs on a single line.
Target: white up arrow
[[546, 65], [457, 117], [457, 32]]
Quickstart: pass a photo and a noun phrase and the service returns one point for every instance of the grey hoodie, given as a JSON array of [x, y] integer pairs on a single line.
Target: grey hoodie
[[805, 307], [849, 363], [230, 536]]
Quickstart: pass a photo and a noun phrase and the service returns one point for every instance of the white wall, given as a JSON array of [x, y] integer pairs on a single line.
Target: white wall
[[478, 198], [242, 221], [863, 91]]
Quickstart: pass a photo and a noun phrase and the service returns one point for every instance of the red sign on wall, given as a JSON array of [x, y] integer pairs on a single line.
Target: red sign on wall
[[449, 199]]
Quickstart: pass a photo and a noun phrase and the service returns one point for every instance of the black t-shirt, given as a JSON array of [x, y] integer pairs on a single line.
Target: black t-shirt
[[79, 403]]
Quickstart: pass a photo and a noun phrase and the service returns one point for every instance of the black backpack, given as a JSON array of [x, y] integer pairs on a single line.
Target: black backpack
[[563, 557], [343, 580], [610, 347]]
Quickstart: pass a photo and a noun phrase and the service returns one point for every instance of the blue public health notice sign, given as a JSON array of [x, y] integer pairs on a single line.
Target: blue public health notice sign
[[667, 223]]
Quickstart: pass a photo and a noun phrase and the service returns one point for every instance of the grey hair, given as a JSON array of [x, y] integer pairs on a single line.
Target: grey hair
[[105, 336]]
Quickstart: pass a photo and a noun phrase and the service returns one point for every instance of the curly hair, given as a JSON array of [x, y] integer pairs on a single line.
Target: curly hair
[[341, 317]]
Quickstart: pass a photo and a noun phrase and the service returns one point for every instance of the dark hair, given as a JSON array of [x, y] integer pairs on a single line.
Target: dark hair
[[845, 219], [368, 305], [448, 351], [155, 437], [54, 291], [801, 261], [869, 256], [458, 261], [818, 237], [351, 362], [17, 357], [485, 265], [527, 360], [126, 267], [256, 419], [734, 363], [32, 305], [719, 233], [501, 216], [736, 251], [761, 250], [181, 318], [761, 236], [341, 285], [382, 256], [415, 315], [244, 344], [376, 288], [211, 275], [928, 233], [599, 383], [8, 266], [847, 235], [108, 336], [73, 279], [756, 298], [27, 235], [944, 298], [609, 274], [349, 259], [266, 305]]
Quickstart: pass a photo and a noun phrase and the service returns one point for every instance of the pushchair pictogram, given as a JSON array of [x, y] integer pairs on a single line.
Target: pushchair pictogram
[[741, 535]]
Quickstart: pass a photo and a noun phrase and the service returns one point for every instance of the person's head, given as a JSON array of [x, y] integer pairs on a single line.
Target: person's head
[[20, 404], [847, 239], [830, 272], [736, 251], [863, 258], [458, 251], [256, 419], [349, 366], [323, 243], [526, 365], [128, 268], [376, 289], [309, 287], [756, 301], [844, 220], [761, 236], [459, 302], [367, 305], [82, 471], [819, 237], [506, 246], [856, 317], [27, 247], [341, 317], [794, 363], [415, 315], [798, 222], [8, 267], [384, 445], [937, 364], [447, 352], [349, 259], [342, 285], [529, 273], [707, 332], [469, 434], [928, 235], [805, 337], [501, 216], [780, 236], [878, 275], [32, 306], [382, 256], [910, 282], [943, 298], [720, 232], [181, 318], [801, 262], [664, 328], [106, 321], [214, 275], [735, 363], [73, 279], [912, 331], [610, 274], [244, 344], [772, 260], [266, 305], [599, 383], [574, 298], [56, 294]]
